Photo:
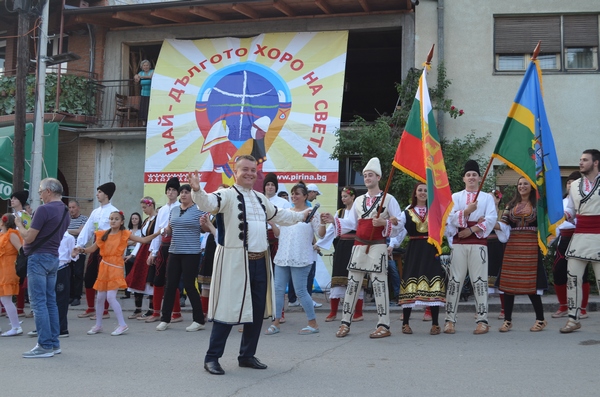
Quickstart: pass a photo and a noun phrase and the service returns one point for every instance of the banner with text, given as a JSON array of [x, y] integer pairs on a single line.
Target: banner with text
[[276, 96]]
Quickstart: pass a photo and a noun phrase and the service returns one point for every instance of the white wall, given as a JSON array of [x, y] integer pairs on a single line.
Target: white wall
[[572, 100]]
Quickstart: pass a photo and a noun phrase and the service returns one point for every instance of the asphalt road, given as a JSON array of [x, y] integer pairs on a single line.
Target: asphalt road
[[146, 362]]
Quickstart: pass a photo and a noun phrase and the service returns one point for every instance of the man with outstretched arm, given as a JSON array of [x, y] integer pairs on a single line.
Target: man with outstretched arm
[[241, 289]]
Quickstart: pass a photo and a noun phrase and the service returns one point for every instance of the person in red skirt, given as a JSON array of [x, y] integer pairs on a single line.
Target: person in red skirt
[[137, 279], [159, 254], [522, 271]]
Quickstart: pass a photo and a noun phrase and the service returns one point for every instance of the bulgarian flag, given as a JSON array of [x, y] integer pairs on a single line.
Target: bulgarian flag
[[526, 145], [419, 154]]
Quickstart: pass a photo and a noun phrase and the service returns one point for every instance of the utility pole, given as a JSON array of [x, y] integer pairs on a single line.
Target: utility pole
[[21, 98], [40, 92]]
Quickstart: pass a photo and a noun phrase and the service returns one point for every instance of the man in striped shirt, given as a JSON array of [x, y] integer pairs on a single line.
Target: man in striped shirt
[[77, 267]]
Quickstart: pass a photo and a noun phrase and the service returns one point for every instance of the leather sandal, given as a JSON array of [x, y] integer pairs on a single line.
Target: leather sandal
[[380, 332], [328, 319], [570, 327], [538, 326], [342, 331], [435, 330], [406, 329], [449, 327], [506, 326]]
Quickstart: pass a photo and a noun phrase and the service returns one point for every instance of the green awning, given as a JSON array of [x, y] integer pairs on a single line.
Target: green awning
[[50, 155]]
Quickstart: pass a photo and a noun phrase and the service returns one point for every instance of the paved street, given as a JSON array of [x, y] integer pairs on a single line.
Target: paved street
[[150, 363]]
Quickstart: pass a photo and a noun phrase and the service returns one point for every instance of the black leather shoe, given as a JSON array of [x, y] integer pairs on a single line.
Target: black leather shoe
[[214, 368], [251, 362]]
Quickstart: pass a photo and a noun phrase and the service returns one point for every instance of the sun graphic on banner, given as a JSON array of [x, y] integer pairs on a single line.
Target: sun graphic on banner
[[236, 109], [275, 96]]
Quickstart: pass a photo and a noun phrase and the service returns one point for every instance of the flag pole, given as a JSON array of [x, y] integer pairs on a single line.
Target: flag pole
[[389, 181], [536, 52]]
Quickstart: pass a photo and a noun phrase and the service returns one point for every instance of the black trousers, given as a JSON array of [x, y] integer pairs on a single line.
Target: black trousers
[[186, 265], [252, 331], [63, 281], [91, 271], [77, 269]]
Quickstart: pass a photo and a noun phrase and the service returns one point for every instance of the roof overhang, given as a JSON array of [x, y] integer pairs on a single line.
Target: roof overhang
[[225, 11]]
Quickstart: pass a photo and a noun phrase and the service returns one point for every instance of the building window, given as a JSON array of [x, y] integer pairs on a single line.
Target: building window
[[569, 42]]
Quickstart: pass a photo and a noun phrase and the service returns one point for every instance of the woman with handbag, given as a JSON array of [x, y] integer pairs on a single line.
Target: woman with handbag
[[10, 244]]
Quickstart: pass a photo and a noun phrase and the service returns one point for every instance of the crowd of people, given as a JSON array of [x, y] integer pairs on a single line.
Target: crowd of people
[[235, 252]]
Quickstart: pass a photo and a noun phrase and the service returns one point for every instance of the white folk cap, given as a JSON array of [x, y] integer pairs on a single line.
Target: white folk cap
[[373, 165]]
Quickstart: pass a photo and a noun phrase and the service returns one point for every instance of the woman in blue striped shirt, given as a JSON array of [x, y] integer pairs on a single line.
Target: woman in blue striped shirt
[[184, 258]]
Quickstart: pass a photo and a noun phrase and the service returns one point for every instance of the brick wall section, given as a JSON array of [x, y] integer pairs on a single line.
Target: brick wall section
[[10, 61], [77, 162], [79, 43]]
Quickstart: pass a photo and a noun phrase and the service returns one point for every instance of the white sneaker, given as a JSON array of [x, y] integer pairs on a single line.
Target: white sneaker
[[293, 304], [38, 352], [14, 332], [195, 327], [317, 304], [94, 330], [162, 326], [120, 330], [33, 333]]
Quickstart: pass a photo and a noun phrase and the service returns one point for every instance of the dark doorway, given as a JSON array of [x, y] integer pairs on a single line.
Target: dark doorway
[[373, 66], [139, 53]]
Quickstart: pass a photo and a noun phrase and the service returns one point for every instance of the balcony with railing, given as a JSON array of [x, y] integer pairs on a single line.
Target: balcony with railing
[[83, 100]]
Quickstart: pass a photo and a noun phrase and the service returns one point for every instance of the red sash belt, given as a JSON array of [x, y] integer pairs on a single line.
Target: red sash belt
[[587, 224], [348, 236], [359, 241], [366, 232], [567, 233], [472, 239]]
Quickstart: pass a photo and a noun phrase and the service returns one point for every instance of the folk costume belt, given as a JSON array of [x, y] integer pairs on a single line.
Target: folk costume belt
[[254, 256], [418, 237], [587, 224], [360, 241]]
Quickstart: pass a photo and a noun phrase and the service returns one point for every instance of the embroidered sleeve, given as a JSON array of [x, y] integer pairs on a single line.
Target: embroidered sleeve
[[338, 227], [462, 221], [387, 230]]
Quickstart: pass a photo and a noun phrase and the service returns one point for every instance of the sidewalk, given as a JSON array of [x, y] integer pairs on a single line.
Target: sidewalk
[[522, 304]]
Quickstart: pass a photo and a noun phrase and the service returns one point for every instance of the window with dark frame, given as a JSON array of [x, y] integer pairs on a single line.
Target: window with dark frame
[[569, 42]]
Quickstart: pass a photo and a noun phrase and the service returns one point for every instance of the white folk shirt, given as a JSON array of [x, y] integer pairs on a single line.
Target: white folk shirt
[[67, 244], [570, 210], [98, 220], [350, 222], [162, 221], [486, 208]]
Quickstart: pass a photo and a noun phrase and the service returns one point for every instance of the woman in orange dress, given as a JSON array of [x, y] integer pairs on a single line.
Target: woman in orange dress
[[10, 243], [112, 244]]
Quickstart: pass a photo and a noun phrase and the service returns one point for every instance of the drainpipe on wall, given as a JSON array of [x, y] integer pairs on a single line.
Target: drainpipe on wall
[[440, 51], [92, 36]]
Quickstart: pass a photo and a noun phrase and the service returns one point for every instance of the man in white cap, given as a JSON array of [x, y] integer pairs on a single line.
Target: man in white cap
[[471, 220], [313, 192], [369, 254]]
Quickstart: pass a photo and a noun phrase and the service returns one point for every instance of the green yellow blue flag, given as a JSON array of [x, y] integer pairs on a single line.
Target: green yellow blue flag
[[526, 145]]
